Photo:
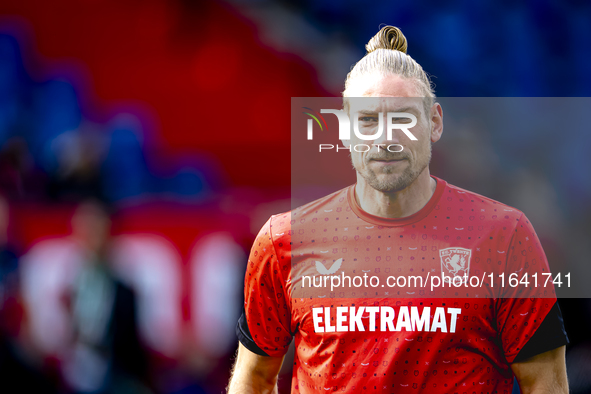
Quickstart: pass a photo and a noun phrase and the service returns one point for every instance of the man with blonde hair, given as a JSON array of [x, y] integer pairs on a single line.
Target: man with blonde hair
[[398, 219]]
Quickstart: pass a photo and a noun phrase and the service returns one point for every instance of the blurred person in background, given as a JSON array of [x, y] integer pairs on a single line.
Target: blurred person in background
[[80, 312]]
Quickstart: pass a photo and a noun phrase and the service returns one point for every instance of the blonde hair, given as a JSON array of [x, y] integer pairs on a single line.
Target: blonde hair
[[386, 55]]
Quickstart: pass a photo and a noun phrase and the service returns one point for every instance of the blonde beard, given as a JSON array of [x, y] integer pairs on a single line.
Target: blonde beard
[[389, 185]]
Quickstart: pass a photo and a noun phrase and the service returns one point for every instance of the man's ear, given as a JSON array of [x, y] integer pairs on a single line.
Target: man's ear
[[436, 122]]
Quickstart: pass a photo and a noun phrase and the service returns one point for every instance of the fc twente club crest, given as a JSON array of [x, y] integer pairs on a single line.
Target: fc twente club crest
[[455, 262]]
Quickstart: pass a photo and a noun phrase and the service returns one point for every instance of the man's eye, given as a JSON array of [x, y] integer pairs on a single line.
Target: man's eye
[[401, 120], [368, 119]]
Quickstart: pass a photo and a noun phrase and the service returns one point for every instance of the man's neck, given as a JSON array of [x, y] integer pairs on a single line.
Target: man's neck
[[396, 204]]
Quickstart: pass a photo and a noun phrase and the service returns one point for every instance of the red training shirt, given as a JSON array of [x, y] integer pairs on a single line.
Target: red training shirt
[[379, 337]]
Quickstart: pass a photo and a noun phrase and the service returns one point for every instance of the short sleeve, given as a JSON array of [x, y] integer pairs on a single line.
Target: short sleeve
[[523, 308], [266, 302]]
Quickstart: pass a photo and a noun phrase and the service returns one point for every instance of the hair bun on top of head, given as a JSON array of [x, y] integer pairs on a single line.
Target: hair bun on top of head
[[389, 37]]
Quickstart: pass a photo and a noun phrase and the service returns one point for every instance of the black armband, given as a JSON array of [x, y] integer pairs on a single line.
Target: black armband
[[245, 337], [550, 335]]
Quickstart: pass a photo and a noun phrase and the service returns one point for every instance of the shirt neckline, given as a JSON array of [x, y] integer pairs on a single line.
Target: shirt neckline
[[395, 222]]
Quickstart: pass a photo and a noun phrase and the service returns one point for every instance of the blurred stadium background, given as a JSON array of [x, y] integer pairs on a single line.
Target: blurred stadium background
[[143, 143]]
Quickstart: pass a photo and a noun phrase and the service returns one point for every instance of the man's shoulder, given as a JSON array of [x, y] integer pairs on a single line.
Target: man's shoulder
[[282, 223], [477, 205]]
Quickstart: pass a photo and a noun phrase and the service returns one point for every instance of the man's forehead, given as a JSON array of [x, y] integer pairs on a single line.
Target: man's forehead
[[377, 85], [385, 104], [389, 92]]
